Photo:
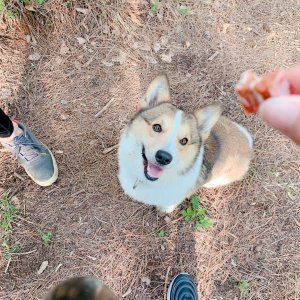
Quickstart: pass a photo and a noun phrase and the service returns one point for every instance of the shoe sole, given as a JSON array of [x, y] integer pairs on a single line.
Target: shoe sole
[[55, 174]]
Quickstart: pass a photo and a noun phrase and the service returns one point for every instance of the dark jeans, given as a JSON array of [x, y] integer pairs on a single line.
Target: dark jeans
[[6, 125]]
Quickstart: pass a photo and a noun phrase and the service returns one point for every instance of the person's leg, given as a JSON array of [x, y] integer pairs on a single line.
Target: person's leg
[[33, 156], [182, 287], [6, 125]]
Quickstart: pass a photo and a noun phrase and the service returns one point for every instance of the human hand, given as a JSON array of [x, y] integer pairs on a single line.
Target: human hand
[[283, 112]]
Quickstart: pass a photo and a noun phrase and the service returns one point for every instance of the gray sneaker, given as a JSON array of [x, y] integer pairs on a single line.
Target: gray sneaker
[[37, 160]]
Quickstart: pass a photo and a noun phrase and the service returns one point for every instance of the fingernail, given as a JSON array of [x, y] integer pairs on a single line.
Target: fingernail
[[279, 113]]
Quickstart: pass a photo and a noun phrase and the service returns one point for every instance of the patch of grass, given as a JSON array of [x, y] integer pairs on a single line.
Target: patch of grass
[[243, 287], [25, 1], [11, 14], [197, 214], [8, 214], [184, 10], [40, 2], [161, 233], [155, 6], [46, 237], [1, 5], [67, 4]]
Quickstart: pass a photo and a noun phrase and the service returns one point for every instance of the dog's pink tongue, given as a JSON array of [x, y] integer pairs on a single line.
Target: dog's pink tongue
[[154, 171]]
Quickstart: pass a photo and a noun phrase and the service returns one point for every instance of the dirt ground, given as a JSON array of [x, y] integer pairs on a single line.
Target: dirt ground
[[63, 63]]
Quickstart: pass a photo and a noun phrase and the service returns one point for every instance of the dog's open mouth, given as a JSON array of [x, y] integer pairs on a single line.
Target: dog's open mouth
[[152, 172]]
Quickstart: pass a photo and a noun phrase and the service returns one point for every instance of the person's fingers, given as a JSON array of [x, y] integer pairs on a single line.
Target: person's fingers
[[293, 76], [283, 114]]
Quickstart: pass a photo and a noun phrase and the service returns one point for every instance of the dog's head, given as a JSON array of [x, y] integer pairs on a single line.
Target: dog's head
[[169, 139]]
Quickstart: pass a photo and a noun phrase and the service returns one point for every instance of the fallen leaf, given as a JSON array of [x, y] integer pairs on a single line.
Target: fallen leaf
[[63, 48], [64, 116], [27, 38], [187, 44], [34, 56], [43, 267], [107, 63], [127, 293], [271, 35], [64, 102], [167, 57], [156, 47], [167, 219], [225, 27], [81, 40], [93, 142], [164, 40], [141, 46], [149, 59], [146, 280], [82, 10], [78, 65], [94, 44], [30, 7], [120, 59]]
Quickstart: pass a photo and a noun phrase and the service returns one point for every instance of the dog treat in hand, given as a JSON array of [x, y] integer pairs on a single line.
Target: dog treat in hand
[[253, 90]]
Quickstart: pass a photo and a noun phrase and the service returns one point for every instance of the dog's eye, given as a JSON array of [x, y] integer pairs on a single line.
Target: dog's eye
[[156, 128], [183, 141]]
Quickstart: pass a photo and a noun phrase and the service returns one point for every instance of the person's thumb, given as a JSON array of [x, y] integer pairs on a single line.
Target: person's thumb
[[283, 114]]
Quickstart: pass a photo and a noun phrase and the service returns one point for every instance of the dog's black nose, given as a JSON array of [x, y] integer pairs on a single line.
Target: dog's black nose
[[163, 157]]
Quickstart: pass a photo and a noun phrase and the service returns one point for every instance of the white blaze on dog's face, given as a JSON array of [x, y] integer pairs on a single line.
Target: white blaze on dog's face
[[170, 139]]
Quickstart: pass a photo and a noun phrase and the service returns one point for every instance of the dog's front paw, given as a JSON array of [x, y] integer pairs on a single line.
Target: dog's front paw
[[163, 210]]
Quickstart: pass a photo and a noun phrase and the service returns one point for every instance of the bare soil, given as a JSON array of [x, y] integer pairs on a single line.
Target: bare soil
[[94, 51]]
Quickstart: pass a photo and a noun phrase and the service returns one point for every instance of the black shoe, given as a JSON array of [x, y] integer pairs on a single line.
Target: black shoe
[[182, 287]]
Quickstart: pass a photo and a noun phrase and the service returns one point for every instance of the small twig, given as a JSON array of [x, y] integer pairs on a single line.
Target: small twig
[[98, 114], [214, 56], [107, 150], [7, 266], [23, 219], [166, 282], [77, 193], [296, 221], [24, 253], [19, 176], [58, 267], [101, 220]]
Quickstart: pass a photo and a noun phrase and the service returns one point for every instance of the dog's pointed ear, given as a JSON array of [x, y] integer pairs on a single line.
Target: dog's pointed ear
[[207, 117], [157, 92]]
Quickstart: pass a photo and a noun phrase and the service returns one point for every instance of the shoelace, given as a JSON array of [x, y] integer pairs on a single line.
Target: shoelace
[[23, 147]]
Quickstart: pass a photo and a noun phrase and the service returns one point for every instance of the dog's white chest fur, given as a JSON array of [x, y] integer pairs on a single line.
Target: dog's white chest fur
[[166, 192]]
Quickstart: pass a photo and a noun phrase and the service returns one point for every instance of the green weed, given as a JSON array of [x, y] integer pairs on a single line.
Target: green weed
[[8, 214], [46, 237], [243, 287], [11, 14], [184, 10], [25, 1], [40, 2], [198, 214], [67, 4], [161, 233], [155, 6], [1, 5]]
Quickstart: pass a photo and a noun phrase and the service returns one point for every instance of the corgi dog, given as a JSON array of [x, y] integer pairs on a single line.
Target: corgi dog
[[166, 154]]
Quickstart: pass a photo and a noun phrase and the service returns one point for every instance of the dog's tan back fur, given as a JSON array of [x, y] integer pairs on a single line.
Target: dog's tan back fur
[[227, 153]]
